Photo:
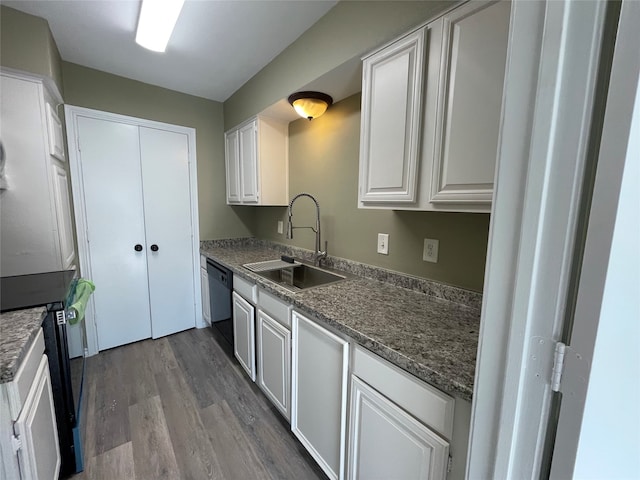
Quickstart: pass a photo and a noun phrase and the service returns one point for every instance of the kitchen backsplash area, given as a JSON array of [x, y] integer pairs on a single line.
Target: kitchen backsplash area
[[435, 289]]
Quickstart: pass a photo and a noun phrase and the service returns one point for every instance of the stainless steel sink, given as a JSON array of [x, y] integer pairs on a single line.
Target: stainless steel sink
[[298, 276]]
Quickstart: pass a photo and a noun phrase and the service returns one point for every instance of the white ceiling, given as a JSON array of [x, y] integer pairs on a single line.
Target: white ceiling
[[217, 45]]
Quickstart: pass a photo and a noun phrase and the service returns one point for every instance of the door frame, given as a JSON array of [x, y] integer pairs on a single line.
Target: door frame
[[553, 57], [72, 113]]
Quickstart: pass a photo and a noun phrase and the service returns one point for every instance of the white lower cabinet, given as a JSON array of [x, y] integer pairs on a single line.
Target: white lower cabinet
[[244, 334], [273, 350], [28, 432], [319, 393], [399, 426], [39, 455], [274, 362], [387, 442]]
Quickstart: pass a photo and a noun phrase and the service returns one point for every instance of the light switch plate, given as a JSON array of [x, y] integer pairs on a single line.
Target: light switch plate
[[280, 227], [383, 243], [430, 252]]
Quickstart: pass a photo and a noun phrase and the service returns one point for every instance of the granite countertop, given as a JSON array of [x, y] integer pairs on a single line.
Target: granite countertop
[[17, 330], [434, 339]]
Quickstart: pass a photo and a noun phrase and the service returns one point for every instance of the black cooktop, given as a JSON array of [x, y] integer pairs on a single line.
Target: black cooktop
[[38, 289]]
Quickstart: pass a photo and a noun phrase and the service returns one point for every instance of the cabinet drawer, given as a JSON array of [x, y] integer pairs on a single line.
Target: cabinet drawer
[[428, 404], [19, 387], [247, 289], [276, 308]]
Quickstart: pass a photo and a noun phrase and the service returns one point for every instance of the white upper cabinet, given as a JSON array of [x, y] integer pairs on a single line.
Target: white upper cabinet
[[257, 163], [232, 164], [248, 161], [468, 124], [391, 107], [430, 121], [36, 227]]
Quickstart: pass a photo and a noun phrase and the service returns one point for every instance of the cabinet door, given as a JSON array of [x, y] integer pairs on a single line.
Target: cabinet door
[[206, 306], [244, 334], [232, 164], [472, 76], [320, 363], [56, 139], [39, 456], [391, 110], [274, 362], [387, 442], [60, 182], [247, 140]]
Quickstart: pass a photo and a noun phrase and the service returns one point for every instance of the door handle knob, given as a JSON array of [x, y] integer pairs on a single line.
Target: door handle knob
[[154, 248], [138, 248]]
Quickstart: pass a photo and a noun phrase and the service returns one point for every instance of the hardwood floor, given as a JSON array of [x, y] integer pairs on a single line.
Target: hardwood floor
[[180, 407]]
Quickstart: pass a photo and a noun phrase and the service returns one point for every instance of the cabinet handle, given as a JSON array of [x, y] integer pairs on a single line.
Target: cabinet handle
[[154, 248], [138, 248]]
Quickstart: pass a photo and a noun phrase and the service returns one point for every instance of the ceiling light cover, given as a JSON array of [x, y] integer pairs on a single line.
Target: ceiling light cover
[[156, 22], [310, 105]]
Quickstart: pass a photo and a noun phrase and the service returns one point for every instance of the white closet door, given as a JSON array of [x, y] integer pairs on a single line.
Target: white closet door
[[110, 157], [165, 186]]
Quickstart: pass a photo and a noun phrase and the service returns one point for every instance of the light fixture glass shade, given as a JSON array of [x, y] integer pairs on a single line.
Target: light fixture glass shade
[[156, 23], [310, 105]]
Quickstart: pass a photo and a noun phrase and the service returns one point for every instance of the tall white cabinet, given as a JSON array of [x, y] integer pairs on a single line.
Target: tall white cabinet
[[136, 208], [431, 107], [36, 228], [257, 162]]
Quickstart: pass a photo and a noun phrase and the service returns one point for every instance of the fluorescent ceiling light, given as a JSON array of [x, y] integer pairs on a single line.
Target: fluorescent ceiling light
[[157, 19]]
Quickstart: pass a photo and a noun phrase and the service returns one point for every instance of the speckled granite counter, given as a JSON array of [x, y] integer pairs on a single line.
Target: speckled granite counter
[[436, 340], [17, 330]]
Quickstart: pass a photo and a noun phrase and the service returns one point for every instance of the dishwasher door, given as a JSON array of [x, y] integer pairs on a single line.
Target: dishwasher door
[[220, 288]]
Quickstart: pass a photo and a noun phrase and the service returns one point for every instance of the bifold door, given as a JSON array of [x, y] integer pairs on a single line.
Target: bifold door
[[137, 206]]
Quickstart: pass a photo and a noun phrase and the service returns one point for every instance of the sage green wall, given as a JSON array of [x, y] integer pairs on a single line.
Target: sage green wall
[[348, 30], [323, 156], [86, 87], [26, 44]]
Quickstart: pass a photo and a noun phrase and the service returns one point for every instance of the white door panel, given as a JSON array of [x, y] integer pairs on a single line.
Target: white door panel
[[165, 186], [111, 174]]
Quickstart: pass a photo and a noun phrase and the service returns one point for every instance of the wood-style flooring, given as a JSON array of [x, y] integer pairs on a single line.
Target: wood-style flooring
[[180, 407]]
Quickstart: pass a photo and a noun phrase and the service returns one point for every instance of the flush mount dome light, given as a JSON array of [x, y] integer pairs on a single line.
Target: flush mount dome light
[[156, 23], [310, 104]]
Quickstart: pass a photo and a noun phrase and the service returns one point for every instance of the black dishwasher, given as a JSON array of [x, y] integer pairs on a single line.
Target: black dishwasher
[[220, 288]]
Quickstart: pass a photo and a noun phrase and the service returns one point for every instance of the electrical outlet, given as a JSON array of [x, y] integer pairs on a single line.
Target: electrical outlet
[[430, 252], [383, 243], [280, 227]]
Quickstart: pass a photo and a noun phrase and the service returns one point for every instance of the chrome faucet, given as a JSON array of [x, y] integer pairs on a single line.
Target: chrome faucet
[[318, 255]]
